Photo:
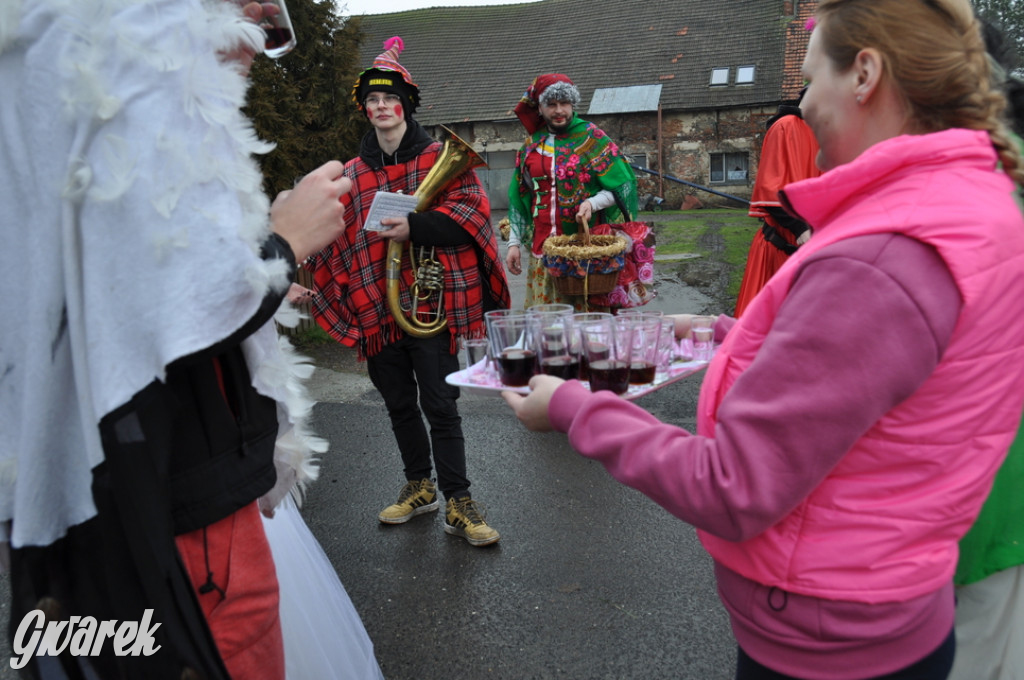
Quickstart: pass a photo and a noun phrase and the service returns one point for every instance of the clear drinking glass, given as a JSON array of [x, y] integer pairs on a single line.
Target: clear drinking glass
[[553, 340], [702, 333], [579, 321], [513, 345], [489, 319], [277, 25], [478, 361], [643, 347], [606, 346], [666, 349]]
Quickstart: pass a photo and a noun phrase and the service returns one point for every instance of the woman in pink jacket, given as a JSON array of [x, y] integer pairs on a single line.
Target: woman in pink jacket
[[851, 422]]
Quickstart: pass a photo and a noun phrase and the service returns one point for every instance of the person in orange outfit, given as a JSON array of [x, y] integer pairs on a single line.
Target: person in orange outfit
[[787, 155]]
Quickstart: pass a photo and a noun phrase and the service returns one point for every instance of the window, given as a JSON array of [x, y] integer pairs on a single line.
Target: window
[[644, 160], [728, 167], [745, 75], [720, 76]]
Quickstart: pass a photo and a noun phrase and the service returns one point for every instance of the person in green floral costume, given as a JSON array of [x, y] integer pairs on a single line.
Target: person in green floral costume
[[567, 170]]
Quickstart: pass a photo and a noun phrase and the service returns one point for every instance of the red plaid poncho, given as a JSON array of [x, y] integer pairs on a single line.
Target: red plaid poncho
[[350, 274]]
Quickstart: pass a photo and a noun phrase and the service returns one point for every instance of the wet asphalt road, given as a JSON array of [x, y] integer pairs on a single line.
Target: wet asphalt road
[[590, 579]]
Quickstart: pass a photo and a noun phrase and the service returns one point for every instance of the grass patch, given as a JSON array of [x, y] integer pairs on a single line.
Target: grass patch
[[716, 241], [309, 335]]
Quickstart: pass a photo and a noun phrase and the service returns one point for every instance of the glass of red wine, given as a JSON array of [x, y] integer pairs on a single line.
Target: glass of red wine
[[579, 321], [512, 341], [553, 340], [643, 348], [606, 347], [276, 24]]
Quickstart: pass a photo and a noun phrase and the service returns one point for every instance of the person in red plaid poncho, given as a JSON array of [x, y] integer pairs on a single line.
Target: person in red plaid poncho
[[351, 304]]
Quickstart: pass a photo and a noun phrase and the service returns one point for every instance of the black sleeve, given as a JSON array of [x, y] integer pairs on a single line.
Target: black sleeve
[[793, 225], [432, 228], [275, 247]]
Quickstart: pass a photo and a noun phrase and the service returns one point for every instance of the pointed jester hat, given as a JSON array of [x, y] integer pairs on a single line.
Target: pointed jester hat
[[387, 75]]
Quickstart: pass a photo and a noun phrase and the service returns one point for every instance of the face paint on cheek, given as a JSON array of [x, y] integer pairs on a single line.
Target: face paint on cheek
[[369, 113], [398, 111]]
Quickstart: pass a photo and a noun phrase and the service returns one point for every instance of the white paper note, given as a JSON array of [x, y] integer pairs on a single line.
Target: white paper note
[[388, 204]]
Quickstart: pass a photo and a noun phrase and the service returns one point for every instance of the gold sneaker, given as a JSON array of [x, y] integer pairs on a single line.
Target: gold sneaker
[[416, 497], [464, 517]]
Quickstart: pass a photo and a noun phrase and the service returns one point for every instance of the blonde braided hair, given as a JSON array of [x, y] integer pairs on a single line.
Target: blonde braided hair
[[934, 52]]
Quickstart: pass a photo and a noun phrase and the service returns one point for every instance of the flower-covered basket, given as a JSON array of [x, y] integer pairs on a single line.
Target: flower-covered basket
[[584, 264], [634, 286]]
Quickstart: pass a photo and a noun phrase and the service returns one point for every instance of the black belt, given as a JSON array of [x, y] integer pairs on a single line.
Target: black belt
[[772, 236]]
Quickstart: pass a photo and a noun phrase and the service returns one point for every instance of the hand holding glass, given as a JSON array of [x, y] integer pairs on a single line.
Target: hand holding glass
[[272, 17]]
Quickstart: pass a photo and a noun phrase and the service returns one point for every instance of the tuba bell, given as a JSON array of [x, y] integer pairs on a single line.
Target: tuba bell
[[456, 158]]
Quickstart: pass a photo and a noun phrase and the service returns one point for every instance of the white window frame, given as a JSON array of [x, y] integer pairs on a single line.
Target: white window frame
[[720, 76], [725, 159], [745, 74]]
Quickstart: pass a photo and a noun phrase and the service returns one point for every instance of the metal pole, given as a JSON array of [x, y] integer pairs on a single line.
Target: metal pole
[[691, 184], [661, 158]]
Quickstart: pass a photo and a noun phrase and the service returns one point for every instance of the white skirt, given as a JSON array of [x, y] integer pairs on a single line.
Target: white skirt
[[324, 638]]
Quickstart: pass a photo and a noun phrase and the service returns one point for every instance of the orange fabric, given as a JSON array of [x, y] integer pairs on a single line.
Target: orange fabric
[[245, 621], [763, 260], [788, 154]]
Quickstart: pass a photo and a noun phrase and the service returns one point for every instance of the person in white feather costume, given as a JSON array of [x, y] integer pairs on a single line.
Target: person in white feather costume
[[146, 401]]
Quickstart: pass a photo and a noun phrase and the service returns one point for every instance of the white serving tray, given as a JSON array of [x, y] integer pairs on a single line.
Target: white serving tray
[[492, 387]]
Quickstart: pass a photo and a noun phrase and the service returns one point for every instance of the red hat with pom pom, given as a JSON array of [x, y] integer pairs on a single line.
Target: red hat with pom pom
[[387, 75]]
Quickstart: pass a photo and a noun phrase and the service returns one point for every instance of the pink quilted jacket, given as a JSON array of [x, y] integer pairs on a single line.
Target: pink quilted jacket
[[884, 524]]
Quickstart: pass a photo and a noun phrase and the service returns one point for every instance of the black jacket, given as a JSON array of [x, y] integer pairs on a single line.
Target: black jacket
[[182, 454]]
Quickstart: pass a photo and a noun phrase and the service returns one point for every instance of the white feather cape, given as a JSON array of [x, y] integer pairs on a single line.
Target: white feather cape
[[130, 230]]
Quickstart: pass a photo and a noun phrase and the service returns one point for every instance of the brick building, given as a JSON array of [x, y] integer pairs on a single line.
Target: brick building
[[683, 86]]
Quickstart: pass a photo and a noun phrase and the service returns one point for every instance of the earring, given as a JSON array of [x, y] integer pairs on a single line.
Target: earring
[[858, 99]]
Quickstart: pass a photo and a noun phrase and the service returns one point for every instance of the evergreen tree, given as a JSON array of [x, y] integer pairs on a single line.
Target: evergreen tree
[[1008, 15], [302, 101]]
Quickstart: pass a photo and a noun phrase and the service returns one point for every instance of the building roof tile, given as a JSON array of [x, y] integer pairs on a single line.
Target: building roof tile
[[474, 63]]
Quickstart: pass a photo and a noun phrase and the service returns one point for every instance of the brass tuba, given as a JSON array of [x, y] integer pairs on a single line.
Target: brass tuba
[[456, 157]]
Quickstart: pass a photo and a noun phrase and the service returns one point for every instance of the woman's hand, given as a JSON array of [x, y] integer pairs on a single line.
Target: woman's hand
[[682, 324], [532, 408]]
